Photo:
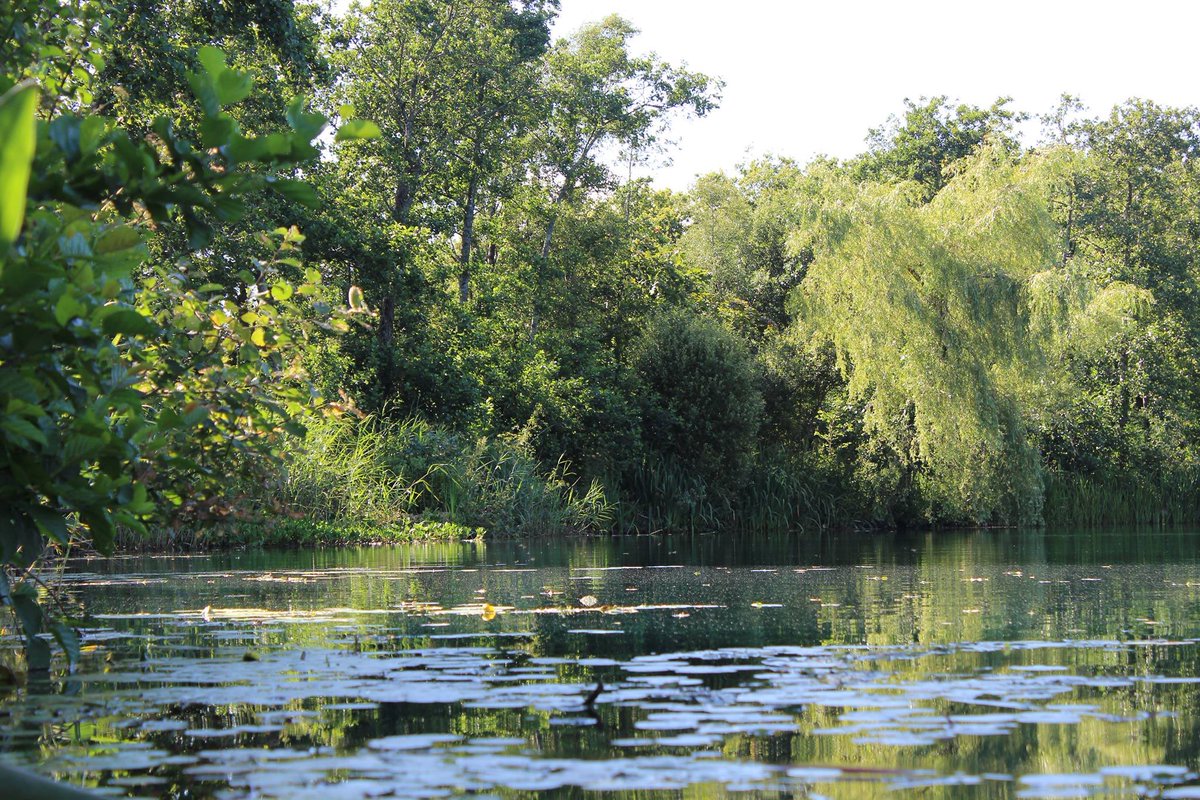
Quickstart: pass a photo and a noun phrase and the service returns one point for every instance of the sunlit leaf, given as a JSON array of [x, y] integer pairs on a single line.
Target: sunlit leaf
[[17, 138]]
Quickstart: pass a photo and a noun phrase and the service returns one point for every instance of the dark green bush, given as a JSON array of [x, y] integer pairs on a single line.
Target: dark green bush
[[702, 405]]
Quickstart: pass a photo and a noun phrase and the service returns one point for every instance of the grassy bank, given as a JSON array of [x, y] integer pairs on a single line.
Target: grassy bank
[[371, 481], [374, 481], [287, 532]]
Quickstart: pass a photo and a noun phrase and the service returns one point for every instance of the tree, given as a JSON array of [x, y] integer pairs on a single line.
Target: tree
[[925, 304], [151, 47], [126, 385], [1130, 213], [502, 87], [932, 136], [702, 404], [450, 84], [600, 96], [738, 233]]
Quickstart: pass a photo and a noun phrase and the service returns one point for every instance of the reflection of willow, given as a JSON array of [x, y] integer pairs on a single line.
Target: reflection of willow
[[1000, 586]]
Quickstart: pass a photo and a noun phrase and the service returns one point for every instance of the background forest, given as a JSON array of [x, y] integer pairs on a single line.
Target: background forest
[[455, 312]]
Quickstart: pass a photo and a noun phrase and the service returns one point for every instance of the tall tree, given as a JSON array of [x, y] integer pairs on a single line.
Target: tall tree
[[930, 136], [1129, 207], [599, 96], [923, 303], [449, 84]]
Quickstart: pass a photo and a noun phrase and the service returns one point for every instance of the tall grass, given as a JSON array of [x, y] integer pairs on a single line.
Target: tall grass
[[1164, 499], [788, 497], [775, 497], [381, 471], [659, 495]]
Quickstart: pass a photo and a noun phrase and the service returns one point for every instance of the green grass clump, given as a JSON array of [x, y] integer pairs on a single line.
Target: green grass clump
[[397, 474], [1170, 498]]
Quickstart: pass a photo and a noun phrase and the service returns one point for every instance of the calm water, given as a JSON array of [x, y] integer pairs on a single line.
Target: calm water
[[977, 665]]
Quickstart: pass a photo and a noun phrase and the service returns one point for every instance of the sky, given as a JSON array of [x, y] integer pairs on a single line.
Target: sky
[[811, 77]]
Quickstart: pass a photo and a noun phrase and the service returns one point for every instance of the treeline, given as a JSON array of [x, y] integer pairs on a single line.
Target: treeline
[[461, 311]]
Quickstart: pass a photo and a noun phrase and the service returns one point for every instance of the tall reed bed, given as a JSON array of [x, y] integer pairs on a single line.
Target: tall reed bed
[[1168, 498], [384, 472], [775, 497]]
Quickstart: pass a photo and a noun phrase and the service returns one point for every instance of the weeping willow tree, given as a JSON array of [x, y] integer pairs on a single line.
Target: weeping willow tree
[[949, 317]]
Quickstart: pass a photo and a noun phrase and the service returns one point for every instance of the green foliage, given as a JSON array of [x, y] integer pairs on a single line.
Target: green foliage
[[127, 389], [945, 329], [924, 305], [390, 474], [931, 138], [17, 134], [702, 408], [739, 234]]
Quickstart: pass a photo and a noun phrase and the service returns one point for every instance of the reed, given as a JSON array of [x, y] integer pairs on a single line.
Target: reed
[[380, 472], [1167, 498]]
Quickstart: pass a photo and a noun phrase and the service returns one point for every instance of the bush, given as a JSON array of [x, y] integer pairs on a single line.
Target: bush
[[702, 405]]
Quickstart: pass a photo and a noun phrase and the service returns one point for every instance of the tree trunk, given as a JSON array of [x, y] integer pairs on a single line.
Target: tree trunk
[[549, 236], [1127, 234], [468, 241], [402, 207], [1068, 244]]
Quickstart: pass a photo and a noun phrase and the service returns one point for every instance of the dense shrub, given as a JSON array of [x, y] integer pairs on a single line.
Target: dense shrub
[[702, 405]]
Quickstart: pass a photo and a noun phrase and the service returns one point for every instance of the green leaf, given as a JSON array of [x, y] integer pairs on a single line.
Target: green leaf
[[306, 125], [74, 246], [358, 129], [24, 429], [51, 524], [64, 132], [282, 292], [199, 233], [29, 613], [91, 134], [68, 308], [233, 86], [140, 504], [212, 59], [206, 92], [298, 191], [121, 237], [124, 320], [17, 138], [68, 639], [14, 384], [217, 131]]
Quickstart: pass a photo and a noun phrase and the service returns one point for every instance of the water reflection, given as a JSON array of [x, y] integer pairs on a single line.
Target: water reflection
[[958, 664]]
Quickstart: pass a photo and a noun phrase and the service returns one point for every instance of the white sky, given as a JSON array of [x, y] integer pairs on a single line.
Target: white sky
[[810, 77]]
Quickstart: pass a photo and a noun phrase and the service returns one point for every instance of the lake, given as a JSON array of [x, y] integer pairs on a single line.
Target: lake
[[956, 664]]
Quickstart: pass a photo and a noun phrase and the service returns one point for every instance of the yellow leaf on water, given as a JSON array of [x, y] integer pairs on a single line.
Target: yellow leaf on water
[[489, 612]]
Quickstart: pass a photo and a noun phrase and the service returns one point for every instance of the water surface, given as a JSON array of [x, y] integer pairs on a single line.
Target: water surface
[[983, 664]]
